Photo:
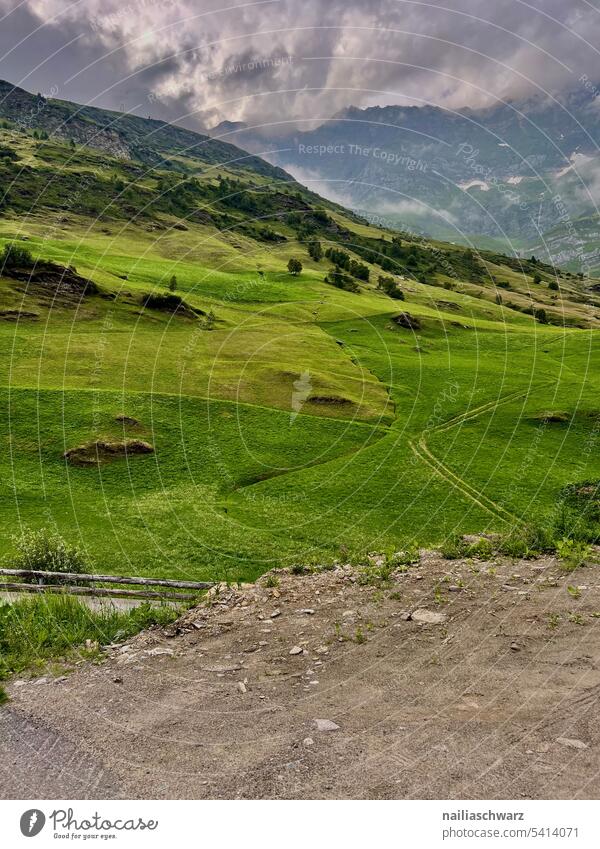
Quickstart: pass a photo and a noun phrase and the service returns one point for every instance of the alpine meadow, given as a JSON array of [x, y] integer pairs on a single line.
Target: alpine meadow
[[395, 393]]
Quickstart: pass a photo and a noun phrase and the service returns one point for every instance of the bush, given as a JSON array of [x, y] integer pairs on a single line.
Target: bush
[[527, 542], [47, 552], [572, 554], [15, 256]]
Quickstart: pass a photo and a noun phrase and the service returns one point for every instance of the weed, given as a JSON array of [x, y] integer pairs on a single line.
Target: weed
[[3, 696], [574, 592], [553, 620], [271, 581], [576, 619], [572, 553], [359, 637], [375, 576]]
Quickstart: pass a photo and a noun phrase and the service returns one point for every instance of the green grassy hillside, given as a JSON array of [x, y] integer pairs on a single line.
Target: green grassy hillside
[[290, 419]]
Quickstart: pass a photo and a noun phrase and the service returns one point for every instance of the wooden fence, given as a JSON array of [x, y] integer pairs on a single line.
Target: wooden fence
[[114, 592]]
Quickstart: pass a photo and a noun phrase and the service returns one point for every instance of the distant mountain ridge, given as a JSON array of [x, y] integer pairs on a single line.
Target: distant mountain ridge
[[510, 173]]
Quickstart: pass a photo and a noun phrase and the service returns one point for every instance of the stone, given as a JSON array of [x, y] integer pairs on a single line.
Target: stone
[[158, 651], [296, 650], [275, 614], [241, 687], [326, 725], [307, 610], [428, 617], [571, 742], [308, 741]]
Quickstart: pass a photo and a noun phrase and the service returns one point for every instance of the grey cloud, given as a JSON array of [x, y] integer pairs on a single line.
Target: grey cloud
[[175, 59]]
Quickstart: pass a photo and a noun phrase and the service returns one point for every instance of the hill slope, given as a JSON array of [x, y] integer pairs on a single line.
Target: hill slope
[[394, 392]]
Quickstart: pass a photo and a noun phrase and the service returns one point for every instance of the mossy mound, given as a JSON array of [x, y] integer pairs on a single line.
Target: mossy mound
[[102, 451]]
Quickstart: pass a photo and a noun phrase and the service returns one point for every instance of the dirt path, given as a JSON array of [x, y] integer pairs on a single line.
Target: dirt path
[[500, 700]]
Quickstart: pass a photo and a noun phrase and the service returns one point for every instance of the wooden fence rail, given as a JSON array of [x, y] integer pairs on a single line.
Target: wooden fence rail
[[142, 593], [108, 579]]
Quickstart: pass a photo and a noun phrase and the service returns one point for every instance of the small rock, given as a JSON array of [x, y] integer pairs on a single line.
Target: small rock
[[326, 725], [428, 617], [117, 680], [454, 588], [515, 647], [308, 741], [242, 687], [572, 742], [296, 650], [308, 610], [275, 614], [263, 643], [159, 650]]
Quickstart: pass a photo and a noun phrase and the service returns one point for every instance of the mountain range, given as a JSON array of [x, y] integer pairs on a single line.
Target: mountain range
[[522, 176]]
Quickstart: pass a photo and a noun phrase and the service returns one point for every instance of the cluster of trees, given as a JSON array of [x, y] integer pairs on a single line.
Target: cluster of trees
[[346, 263], [337, 278], [390, 287]]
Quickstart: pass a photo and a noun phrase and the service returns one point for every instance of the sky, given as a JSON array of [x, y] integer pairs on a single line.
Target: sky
[[273, 63]]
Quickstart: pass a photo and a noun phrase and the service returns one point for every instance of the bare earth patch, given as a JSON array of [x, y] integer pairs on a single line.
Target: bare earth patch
[[456, 679]]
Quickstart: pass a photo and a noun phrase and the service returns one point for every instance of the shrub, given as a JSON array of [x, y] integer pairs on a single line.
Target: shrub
[[294, 266], [572, 554], [527, 542], [553, 284], [47, 552], [15, 256]]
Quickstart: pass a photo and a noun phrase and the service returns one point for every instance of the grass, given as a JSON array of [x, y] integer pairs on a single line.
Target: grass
[[305, 426], [36, 631]]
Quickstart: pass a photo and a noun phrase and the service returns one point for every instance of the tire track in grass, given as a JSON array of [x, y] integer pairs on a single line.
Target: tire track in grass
[[422, 451]]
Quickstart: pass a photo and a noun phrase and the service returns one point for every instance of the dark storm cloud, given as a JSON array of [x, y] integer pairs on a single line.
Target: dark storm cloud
[[278, 60]]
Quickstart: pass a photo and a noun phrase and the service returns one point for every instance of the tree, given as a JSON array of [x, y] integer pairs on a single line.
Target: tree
[[315, 250], [172, 284], [536, 278], [553, 284], [294, 266]]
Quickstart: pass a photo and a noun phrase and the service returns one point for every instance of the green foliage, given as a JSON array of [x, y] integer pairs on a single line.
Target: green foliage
[[36, 630], [44, 550], [375, 575], [173, 283], [553, 284], [390, 287], [572, 554], [528, 541], [340, 280], [315, 250], [294, 266], [15, 256], [455, 548]]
